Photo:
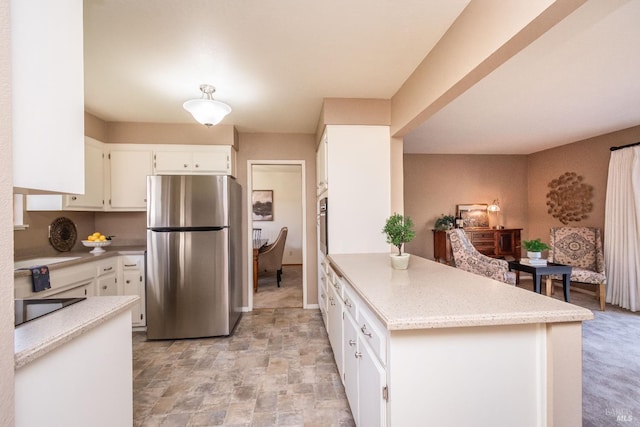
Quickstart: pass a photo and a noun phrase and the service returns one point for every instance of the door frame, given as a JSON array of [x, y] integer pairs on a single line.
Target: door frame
[[305, 261]]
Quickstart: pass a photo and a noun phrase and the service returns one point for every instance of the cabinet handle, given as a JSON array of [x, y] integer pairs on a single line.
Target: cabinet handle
[[365, 332], [128, 281], [107, 269], [347, 303], [197, 165], [352, 343], [130, 265], [357, 354], [185, 165], [332, 301], [74, 198], [104, 287]]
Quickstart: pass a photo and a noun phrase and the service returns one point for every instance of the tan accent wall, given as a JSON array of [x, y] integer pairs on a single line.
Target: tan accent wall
[[485, 35], [170, 133], [95, 127], [588, 158], [274, 146], [34, 241], [129, 228], [435, 184], [7, 363]]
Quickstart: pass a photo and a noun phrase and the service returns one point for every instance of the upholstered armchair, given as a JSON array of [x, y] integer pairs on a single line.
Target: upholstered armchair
[[468, 258], [270, 257], [581, 248]]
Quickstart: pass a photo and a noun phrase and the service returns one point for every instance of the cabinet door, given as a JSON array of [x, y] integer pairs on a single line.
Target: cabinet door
[[351, 358], [93, 196], [134, 285], [107, 285], [335, 327], [322, 180], [211, 162], [47, 85], [371, 382], [128, 179], [172, 162]]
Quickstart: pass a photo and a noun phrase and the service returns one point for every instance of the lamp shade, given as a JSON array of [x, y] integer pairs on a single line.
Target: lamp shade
[[494, 207], [206, 110]]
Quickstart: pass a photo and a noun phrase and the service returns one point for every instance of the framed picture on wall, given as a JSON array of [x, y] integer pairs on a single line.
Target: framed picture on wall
[[262, 205], [473, 215]]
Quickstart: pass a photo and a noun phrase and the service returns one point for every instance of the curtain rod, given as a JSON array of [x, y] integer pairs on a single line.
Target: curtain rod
[[624, 146]]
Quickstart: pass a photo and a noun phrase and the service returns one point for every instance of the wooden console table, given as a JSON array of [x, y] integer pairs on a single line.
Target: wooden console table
[[491, 242]]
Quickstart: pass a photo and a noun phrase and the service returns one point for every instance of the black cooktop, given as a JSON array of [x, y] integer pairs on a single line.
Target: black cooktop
[[29, 309]]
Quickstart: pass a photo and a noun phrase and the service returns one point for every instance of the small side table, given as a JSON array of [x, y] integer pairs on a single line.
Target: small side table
[[537, 271]]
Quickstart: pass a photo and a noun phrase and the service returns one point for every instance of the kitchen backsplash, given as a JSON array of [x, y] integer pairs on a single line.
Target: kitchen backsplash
[[129, 228]]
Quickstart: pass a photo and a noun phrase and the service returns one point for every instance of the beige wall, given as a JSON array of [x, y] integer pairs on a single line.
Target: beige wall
[[7, 364], [588, 158], [435, 184], [273, 146], [34, 241]]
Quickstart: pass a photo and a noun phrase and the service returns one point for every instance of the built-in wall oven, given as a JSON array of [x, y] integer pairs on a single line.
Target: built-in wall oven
[[324, 232]]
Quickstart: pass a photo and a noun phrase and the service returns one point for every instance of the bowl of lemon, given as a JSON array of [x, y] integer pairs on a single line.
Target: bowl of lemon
[[97, 241]]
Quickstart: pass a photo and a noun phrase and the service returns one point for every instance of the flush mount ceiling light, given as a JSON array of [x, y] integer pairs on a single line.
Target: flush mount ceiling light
[[206, 110]]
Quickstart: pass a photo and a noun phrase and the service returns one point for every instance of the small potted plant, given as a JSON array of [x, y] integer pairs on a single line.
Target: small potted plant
[[399, 230], [445, 222], [534, 247]]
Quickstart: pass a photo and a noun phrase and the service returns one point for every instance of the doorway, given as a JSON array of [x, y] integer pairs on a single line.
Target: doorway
[[277, 189]]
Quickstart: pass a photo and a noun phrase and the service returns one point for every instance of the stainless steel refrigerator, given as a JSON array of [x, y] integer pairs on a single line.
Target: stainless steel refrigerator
[[193, 256]]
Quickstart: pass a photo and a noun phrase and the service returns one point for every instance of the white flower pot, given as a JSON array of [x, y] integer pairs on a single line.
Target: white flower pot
[[400, 262], [534, 255]]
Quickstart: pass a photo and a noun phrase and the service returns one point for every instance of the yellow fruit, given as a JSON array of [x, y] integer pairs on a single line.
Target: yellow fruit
[[103, 238], [96, 234], [91, 238]]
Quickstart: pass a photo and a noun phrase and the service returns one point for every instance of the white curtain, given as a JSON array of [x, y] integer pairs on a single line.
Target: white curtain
[[622, 228]]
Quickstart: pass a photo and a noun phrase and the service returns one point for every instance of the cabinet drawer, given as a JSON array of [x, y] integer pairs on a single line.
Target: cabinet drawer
[[372, 332], [131, 262], [350, 301], [481, 236], [106, 266]]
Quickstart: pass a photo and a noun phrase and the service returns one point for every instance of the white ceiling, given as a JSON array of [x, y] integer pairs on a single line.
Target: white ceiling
[[274, 61], [580, 79]]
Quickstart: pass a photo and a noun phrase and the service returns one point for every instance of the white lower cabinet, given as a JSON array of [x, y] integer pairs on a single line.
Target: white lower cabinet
[[133, 283], [106, 277], [358, 342], [335, 318], [350, 375], [110, 276]]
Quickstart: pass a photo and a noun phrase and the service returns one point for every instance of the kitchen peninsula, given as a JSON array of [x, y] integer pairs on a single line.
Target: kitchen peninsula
[[73, 366], [447, 347]]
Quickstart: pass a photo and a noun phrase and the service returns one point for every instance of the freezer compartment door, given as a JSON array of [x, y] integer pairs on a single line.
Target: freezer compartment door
[[187, 201], [187, 284]]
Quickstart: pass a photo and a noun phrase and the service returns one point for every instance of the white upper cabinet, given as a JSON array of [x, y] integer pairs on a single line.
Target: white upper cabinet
[[92, 199], [190, 159], [48, 95], [360, 197], [129, 166], [322, 178]]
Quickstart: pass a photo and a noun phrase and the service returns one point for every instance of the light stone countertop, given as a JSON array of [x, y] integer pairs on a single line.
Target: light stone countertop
[[38, 337], [433, 295], [83, 256]]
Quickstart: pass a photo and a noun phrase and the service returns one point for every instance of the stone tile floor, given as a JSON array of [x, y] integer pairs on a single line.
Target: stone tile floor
[[277, 369]]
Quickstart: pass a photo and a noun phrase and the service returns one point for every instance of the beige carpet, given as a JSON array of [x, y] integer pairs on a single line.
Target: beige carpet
[[288, 295]]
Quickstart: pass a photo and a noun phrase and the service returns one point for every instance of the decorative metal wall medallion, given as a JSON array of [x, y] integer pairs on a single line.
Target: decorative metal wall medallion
[[569, 198]]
